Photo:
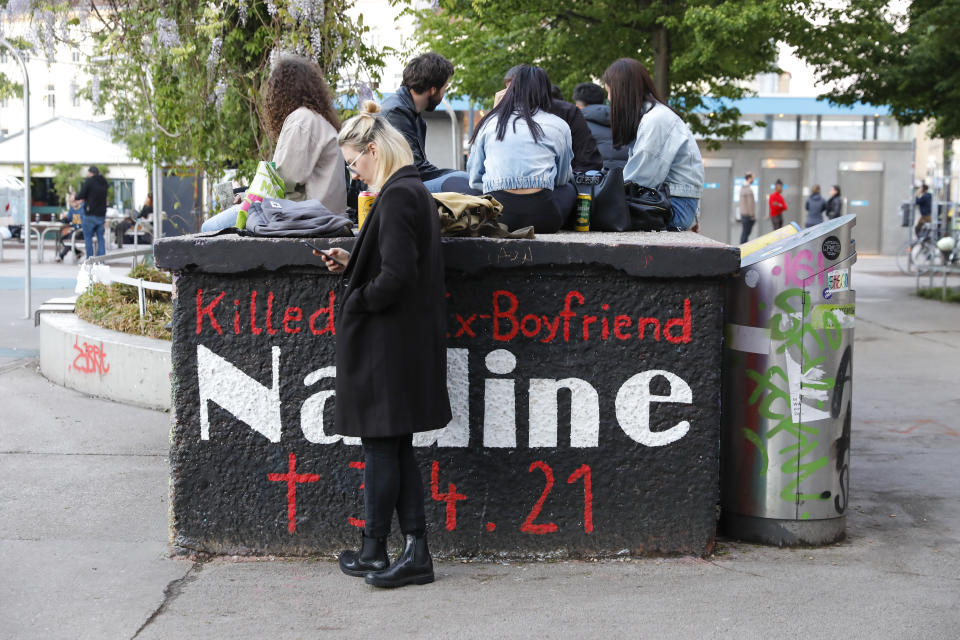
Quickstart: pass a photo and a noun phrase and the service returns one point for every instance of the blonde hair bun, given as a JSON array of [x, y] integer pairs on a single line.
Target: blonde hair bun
[[369, 106]]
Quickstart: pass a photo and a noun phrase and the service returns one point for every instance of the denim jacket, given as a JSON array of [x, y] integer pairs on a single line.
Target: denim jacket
[[665, 151], [517, 162]]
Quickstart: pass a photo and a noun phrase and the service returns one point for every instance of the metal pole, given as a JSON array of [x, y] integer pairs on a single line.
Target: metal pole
[[158, 201], [27, 280], [157, 176]]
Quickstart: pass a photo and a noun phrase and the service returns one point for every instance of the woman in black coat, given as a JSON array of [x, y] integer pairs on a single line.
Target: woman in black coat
[[391, 354], [835, 203]]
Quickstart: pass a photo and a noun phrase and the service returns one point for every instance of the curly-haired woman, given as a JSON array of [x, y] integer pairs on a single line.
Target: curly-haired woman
[[299, 115]]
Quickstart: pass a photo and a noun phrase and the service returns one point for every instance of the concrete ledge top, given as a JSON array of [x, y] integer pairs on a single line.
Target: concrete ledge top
[[643, 254]]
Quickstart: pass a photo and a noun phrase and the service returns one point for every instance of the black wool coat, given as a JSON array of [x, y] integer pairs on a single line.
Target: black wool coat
[[391, 325]]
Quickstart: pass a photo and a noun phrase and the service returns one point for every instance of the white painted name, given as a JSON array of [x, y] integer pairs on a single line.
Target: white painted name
[[258, 405]]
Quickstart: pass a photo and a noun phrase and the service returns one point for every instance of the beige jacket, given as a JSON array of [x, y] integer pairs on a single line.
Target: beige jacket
[[309, 160], [748, 206]]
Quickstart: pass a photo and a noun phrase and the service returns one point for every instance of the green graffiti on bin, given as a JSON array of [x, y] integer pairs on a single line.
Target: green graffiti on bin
[[788, 332]]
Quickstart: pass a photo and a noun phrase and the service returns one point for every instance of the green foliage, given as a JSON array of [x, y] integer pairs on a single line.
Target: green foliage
[[67, 179], [936, 293], [708, 48], [115, 306], [8, 87], [208, 62], [907, 59]]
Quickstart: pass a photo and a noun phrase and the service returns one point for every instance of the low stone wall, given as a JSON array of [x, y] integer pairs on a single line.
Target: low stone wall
[[584, 378], [100, 362]]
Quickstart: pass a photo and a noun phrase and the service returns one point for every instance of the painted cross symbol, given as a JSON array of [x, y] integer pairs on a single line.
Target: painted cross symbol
[[292, 478]]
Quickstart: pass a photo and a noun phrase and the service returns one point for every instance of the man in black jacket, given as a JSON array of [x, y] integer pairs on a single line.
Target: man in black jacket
[[585, 154], [425, 80], [589, 98], [93, 194]]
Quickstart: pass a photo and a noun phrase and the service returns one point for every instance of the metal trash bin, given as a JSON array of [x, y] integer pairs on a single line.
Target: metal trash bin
[[787, 386], [906, 214]]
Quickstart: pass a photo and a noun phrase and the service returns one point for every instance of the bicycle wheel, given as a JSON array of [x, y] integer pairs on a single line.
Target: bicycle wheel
[[923, 255], [905, 259]]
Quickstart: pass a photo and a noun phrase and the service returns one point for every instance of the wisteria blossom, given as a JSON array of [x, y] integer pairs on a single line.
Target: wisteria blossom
[[214, 56], [167, 34]]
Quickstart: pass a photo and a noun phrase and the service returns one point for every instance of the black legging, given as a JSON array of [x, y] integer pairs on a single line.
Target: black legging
[[391, 480], [545, 210]]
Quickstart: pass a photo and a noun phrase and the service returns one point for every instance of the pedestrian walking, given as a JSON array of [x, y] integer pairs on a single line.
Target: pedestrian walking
[[93, 195], [777, 205], [748, 208], [924, 204], [390, 346], [815, 206], [835, 203]]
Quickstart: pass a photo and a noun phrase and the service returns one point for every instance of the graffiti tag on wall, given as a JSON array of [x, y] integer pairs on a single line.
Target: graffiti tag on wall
[[89, 358]]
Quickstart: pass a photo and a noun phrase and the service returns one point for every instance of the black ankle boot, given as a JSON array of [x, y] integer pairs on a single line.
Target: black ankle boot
[[372, 556], [414, 566]]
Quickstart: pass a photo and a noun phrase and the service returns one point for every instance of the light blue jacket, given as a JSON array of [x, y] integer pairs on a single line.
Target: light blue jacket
[[665, 151], [517, 162]]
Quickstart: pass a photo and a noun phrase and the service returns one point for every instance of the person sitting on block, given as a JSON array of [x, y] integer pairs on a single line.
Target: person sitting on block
[[425, 80]]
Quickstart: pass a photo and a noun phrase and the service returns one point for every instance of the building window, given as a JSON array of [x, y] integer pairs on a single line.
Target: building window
[[75, 54], [5, 103], [808, 127], [75, 94], [51, 98], [784, 127], [3, 57], [121, 194], [888, 129], [841, 128], [756, 132]]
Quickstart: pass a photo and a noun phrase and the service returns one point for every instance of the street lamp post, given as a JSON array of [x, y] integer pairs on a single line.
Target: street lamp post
[[27, 282]]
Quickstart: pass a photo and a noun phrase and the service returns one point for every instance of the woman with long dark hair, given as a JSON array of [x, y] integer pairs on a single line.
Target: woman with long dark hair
[[391, 347], [299, 115], [520, 154], [835, 203], [662, 148]]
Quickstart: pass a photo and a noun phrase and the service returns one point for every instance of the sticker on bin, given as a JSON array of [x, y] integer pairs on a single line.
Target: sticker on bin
[[838, 280]]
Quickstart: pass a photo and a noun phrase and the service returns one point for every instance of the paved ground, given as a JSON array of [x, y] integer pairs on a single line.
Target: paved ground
[[83, 525]]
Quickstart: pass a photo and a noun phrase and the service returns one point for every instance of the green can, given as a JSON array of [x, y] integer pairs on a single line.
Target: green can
[[584, 201]]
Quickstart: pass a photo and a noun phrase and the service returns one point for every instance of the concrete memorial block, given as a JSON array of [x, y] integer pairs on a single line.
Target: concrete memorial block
[[584, 378]]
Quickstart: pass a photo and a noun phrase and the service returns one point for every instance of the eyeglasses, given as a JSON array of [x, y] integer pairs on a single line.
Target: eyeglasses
[[352, 166]]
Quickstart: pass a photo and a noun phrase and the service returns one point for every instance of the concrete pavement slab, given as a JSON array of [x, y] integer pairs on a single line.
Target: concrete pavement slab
[[82, 589], [48, 418]]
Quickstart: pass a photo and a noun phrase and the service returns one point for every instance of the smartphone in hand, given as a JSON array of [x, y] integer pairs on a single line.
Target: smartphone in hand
[[326, 254]]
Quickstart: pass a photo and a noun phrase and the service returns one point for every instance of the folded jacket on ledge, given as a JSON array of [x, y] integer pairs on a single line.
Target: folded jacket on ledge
[[285, 218], [464, 215]]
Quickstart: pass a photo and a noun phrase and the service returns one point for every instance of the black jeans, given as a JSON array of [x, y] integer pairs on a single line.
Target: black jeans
[[391, 480], [747, 228], [545, 210]]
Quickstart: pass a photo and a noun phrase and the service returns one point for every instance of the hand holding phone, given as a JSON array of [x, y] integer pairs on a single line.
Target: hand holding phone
[[326, 254]]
